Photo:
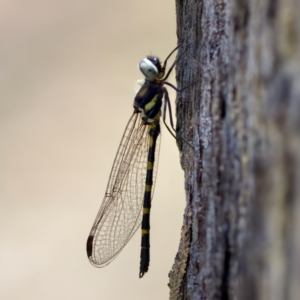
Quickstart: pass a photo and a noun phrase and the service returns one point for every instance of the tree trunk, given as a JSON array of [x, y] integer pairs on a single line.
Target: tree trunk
[[239, 237]]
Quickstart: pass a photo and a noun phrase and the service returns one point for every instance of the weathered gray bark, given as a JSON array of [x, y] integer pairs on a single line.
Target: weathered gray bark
[[240, 236]]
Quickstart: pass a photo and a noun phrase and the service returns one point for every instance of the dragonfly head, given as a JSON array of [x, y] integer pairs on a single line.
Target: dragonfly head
[[151, 68]]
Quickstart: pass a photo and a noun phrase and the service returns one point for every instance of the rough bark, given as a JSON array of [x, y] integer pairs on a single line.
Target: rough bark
[[240, 236]]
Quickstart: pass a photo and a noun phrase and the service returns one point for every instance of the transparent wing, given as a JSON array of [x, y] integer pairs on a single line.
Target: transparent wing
[[120, 213]]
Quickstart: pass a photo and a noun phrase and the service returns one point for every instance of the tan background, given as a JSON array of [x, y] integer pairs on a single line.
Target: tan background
[[67, 85]]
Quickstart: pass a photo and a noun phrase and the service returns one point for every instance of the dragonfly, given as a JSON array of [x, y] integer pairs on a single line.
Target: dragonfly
[[127, 202]]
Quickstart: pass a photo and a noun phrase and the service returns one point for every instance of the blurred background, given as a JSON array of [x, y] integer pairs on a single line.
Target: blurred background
[[67, 86]]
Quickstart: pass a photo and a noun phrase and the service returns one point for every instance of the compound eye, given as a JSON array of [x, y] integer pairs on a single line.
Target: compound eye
[[148, 68]]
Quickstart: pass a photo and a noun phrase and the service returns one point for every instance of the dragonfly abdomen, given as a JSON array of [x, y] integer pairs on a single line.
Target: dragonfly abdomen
[[145, 244]]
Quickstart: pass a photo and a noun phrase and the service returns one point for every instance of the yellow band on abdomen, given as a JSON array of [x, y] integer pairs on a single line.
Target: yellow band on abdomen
[[145, 231], [146, 211]]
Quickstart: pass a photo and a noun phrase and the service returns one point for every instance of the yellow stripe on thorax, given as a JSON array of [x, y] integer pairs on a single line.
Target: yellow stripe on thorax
[[151, 103], [142, 92]]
